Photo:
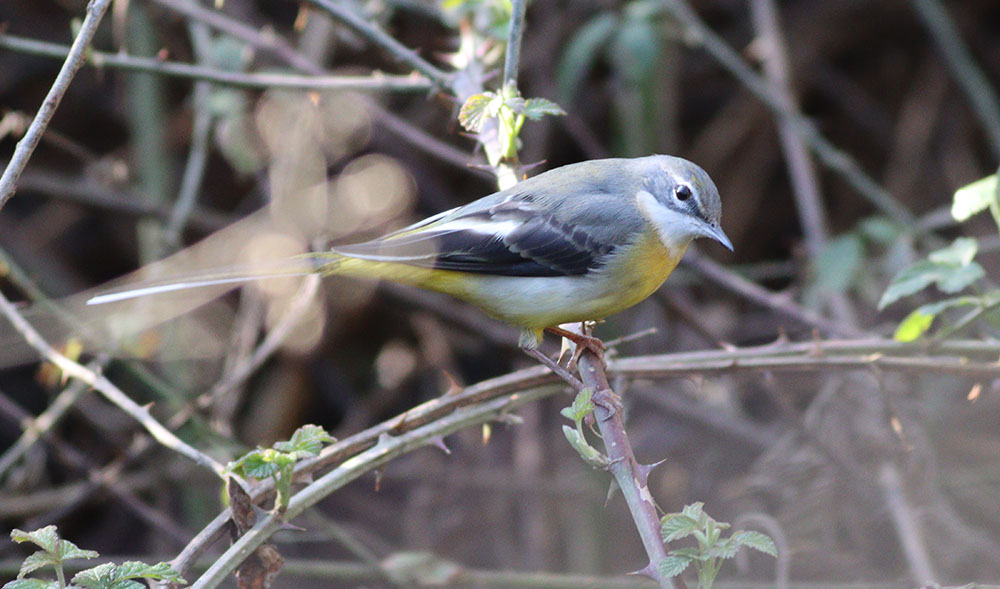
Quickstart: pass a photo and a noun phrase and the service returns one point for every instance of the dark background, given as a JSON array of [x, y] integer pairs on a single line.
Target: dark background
[[805, 449]]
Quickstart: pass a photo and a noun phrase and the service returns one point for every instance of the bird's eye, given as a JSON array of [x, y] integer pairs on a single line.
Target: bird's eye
[[682, 192]]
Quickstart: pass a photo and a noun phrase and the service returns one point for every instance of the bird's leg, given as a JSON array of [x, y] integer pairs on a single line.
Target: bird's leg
[[554, 367], [582, 341]]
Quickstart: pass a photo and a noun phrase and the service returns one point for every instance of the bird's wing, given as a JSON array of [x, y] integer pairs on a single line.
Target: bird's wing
[[513, 236]]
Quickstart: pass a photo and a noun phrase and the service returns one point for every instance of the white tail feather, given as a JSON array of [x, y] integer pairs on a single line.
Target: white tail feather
[[161, 287]]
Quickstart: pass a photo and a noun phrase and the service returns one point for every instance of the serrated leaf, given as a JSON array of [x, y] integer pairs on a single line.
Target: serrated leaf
[[46, 538], [307, 441], [31, 584], [69, 550], [913, 326], [959, 253], [725, 549], [36, 561], [476, 111], [581, 53], [757, 541], [672, 566], [536, 108], [676, 526], [259, 464], [694, 511], [98, 577], [688, 552], [974, 198], [160, 571]]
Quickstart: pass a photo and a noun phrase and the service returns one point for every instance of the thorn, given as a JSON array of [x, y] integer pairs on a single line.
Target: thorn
[[642, 470], [453, 386], [378, 479], [611, 492], [258, 513], [438, 442], [487, 433], [290, 527], [647, 571]]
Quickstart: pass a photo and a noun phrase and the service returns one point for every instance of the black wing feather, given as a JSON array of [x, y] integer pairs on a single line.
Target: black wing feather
[[538, 244]]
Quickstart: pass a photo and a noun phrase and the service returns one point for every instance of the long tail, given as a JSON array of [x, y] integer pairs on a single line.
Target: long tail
[[298, 266]]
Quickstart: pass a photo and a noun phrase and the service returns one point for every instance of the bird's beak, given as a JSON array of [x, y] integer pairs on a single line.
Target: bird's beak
[[715, 232]]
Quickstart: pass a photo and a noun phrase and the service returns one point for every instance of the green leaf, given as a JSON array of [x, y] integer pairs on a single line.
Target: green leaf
[[960, 278], [959, 253], [581, 53], [582, 405], [98, 577], [913, 326], [722, 549], [46, 538], [919, 321], [31, 584], [949, 275], [476, 111], [695, 511], [675, 526], [589, 454], [974, 198], [672, 566], [536, 108], [36, 561], [757, 541], [881, 230], [307, 441], [69, 550], [838, 263]]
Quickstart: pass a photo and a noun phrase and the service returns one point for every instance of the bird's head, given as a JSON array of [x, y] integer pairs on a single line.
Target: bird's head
[[680, 201]]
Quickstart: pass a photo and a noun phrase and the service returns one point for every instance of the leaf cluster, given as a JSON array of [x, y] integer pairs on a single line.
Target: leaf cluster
[[278, 461], [712, 548], [56, 551], [951, 269]]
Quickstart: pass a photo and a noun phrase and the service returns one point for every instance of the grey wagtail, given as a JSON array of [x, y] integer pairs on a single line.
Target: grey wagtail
[[576, 243]]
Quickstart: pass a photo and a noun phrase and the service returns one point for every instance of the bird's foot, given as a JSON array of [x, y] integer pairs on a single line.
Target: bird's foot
[[583, 342]]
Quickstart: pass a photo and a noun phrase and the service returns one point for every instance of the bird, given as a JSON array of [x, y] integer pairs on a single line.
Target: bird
[[577, 243]]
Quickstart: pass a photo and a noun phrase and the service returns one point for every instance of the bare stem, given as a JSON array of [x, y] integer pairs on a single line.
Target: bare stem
[[376, 81], [512, 60], [837, 160], [105, 387], [74, 59], [968, 75]]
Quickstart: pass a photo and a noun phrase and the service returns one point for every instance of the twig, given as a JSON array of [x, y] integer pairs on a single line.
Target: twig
[[754, 292], [378, 37], [376, 81], [74, 59], [388, 448], [774, 54], [262, 40], [105, 387], [201, 132], [968, 75], [35, 429], [107, 478], [700, 34], [630, 476], [512, 60], [910, 538]]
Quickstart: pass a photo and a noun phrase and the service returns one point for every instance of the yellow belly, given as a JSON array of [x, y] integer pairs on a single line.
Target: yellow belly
[[534, 303]]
